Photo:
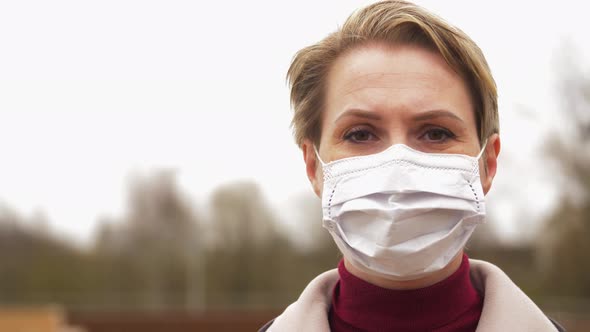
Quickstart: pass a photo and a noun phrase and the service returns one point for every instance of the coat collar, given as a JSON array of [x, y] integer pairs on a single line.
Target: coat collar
[[505, 308]]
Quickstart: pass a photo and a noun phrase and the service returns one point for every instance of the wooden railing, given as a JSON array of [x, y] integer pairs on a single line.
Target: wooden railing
[[218, 321], [31, 319]]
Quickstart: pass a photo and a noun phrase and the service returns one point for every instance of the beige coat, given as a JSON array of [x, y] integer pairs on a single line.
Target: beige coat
[[505, 308]]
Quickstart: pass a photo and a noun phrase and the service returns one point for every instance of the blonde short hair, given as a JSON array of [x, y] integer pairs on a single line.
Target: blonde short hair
[[389, 22]]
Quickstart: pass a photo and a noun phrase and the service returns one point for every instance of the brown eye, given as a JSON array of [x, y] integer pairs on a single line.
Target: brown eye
[[359, 135], [438, 135]]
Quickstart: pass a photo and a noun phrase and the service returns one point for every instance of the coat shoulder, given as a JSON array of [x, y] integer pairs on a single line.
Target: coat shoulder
[[266, 326]]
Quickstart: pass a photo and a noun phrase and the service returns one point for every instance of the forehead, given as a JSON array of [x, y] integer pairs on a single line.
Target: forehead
[[391, 77]]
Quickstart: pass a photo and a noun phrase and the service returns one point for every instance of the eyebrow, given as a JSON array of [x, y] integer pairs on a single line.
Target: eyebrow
[[358, 113], [429, 115]]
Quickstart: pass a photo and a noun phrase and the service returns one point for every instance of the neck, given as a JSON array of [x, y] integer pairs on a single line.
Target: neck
[[421, 282]]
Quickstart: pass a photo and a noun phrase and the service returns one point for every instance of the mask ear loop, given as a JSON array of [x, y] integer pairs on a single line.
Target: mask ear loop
[[476, 164], [483, 148], [317, 154]]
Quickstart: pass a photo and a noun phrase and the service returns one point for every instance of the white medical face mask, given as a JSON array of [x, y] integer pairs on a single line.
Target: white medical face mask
[[402, 213]]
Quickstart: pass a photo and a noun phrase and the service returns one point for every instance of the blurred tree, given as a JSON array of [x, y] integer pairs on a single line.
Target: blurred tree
[[246, 247], [156, 243], [154, 256], [241, 218], [37, 267], [313, 243], [253, 263], [564, 245]]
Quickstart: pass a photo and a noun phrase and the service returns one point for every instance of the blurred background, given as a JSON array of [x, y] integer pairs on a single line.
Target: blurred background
[[149, 180]]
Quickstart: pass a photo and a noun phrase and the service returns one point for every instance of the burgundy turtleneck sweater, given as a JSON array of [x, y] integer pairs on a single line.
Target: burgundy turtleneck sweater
[[450, 305]]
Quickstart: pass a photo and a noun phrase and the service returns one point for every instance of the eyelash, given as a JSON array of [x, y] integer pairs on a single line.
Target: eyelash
[[449, 134], [349, 136]]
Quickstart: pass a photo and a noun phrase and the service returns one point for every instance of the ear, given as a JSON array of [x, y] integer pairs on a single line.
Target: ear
[[311, 167], [491, 162]]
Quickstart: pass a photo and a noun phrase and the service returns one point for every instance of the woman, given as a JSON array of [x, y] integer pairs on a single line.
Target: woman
[[396, 114]]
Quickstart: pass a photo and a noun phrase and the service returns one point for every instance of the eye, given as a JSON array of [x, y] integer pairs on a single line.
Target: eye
[[438, 135], [359, 135]]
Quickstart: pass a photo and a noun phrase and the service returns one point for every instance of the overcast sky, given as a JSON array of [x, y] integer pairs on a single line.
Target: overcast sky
[[93, 91]]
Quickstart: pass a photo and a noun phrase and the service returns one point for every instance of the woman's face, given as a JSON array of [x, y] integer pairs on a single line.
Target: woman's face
[[377, 96]]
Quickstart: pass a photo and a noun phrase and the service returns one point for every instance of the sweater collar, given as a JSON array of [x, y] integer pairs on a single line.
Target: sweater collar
[[365, 306]]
